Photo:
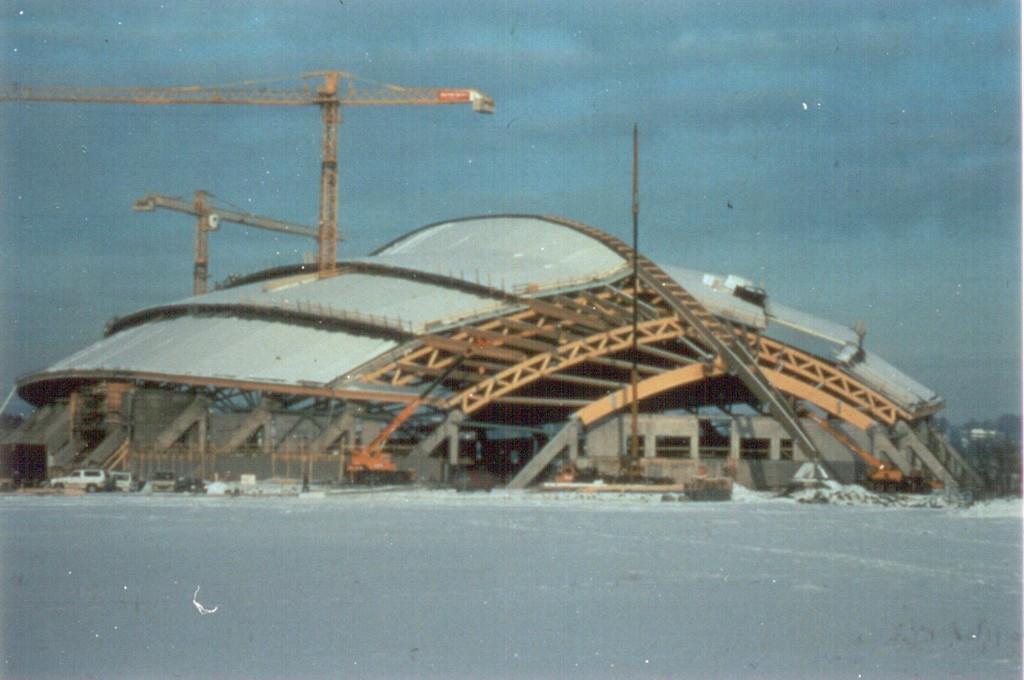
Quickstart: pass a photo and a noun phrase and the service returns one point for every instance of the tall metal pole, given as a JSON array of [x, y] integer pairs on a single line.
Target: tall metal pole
[[635, 401], [327, 242], [202, 263]]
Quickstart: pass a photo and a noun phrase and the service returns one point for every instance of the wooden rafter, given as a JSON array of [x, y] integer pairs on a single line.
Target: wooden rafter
[[559, 312], [587, 381], [434, 371], [545, 402], [569, 354], [498, 339], [462, 347], [593, 307], [665, 354], [828, 378], [620, 364]]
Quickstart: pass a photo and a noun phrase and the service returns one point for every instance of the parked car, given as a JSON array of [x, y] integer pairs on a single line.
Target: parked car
[[163, 481], [121, 481], [88, 479], [189, 485]]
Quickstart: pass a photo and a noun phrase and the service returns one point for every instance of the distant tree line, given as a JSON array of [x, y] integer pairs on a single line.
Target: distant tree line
[[993, 448]]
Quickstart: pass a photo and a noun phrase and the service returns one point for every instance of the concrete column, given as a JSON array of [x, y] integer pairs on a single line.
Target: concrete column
[[648, 430], [453, 444], [775, 449], [695, 444], [201, 427], [734, 439], [574, 442], [270, 434], [73, 414]]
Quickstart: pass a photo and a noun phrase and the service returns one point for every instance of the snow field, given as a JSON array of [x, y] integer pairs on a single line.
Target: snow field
[[506, 584]]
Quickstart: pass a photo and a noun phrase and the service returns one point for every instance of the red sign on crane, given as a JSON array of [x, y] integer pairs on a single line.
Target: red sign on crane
[[453, 95]]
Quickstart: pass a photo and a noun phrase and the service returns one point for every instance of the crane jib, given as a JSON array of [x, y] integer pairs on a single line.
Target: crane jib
[[330, 95]]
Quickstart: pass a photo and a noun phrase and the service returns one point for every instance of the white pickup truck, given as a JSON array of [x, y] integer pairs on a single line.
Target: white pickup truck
[[88, 479]]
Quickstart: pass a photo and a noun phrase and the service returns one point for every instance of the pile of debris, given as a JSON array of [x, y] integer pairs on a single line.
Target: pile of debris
[[834, 493], [811, 484]]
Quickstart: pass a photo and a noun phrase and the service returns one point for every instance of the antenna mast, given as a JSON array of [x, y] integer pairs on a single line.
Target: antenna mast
[[634, 444]]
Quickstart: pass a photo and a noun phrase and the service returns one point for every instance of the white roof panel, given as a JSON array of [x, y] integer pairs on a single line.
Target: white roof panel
[[510, 252], [227, 347], [378, 295], [812, 325], [814, 335], [886, 378], [717, 298]]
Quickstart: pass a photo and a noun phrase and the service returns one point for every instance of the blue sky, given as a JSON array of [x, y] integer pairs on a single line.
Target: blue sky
[[893, 196]]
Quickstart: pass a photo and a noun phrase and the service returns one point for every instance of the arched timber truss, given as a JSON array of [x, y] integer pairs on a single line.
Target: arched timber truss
[[576, 345]]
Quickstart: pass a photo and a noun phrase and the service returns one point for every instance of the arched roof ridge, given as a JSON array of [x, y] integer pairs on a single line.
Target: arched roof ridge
[[555, 220]]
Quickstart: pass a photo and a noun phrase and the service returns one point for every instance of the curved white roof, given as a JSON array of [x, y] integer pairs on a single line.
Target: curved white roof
[[301, 329], [231, 348], [509, 252], [408, 303]]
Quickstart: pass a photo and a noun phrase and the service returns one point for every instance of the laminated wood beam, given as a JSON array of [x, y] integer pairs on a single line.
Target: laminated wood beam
[[549, 309], [466, 348]]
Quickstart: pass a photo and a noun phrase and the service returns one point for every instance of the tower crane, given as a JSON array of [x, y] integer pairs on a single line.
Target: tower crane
[[334, 89], [209, 219]]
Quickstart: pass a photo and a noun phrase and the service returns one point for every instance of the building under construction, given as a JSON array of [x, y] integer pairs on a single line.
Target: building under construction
[[495, 348]]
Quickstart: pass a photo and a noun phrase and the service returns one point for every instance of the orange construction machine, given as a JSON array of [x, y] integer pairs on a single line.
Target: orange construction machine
[[371, 464], [882, 476]]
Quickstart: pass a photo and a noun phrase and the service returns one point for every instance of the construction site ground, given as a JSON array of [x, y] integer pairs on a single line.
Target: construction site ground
[[416, 583]]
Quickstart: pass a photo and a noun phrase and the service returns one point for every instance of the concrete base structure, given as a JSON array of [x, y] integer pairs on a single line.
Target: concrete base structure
[[678, 446], [189, 435]]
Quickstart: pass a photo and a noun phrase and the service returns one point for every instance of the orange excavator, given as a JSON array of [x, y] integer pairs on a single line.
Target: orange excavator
[[882, 476], [371, 464]]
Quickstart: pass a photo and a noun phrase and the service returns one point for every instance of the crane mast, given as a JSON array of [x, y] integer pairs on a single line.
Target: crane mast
[[328, 241], [337, 88]]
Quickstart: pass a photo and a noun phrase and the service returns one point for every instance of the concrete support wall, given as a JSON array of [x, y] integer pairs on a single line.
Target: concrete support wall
[[232, 466], [282, 430], [611, 437], [152, 411], [604, 443], [430, 469]]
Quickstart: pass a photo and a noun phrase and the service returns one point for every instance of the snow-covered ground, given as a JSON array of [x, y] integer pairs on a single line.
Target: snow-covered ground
[[506, 584]]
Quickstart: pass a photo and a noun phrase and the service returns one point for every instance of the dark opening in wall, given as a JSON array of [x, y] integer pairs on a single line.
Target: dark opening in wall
[[672, 447], [754, 449], [714, 439]]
